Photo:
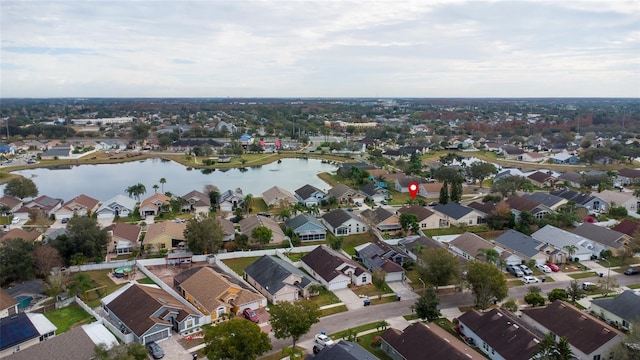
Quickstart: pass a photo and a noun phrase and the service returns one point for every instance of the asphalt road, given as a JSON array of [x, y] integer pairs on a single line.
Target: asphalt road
[[367, 315]]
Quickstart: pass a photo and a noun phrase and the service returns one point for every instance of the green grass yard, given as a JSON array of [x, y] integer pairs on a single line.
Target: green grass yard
[[68, 317], [239, 264]]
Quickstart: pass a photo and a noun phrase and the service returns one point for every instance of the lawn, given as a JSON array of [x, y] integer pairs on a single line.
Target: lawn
[[371, 290], [295, 256], [67, 317], [325, 297], [634, 286], [146, 280], [383, 300], [616, 261], [366, 340], [356, 330], [583, 275], [101, 278], [333, 310], [351, 241], [239, 264]]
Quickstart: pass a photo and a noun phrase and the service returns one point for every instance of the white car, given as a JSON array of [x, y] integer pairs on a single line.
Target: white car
[[544, 268], [323, 340], [15, 220], [525, 269], [530, 279]]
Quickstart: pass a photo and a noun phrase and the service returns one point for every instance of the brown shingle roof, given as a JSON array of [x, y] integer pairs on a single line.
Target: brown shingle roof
[[125, 231], [9, 201], [471, 243], [83, 200], [155, 199], [420, 211], [6, 300], [19, 233], [521, 204], [174, 229], [324, 262], [582, 330], [628, 227]]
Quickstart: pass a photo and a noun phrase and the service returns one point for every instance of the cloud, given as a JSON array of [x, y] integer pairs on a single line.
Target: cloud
[[321, 48]]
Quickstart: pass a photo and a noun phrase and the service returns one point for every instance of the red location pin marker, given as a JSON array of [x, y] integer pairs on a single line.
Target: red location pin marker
[[413, 189]]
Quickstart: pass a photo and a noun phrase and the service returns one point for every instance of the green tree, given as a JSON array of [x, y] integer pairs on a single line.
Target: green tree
[[262, 234], [136, 190], [486, 282], [427, 305], [510, 305], [571, 249], [455, 195], [292, 320], [526, 223], [247, 204], [21, 188], [549, 349], [490, 255], [84, 236], [236, 339], [534, 299], [575, 291], [133, 351], [162, 182], [80, 283], [409, 221], [481, 170], [204, 236], [444, 193], [17, 262], [438, 267], [508, 185], [558, 294], [628, 347], [335, 242], [155, 188]]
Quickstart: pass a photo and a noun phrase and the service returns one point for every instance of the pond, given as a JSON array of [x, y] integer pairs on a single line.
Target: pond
[[104, 181]]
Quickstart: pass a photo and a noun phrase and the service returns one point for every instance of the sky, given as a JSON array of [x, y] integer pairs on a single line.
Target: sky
[[280, 48]]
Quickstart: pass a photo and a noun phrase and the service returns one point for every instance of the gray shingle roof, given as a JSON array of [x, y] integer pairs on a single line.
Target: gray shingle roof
[[307, 191], [453, 210], [302, 219], [337, 217], [270, 271], [625, 305], [517, 241], [600, 234], [343, 350], [543, 198]]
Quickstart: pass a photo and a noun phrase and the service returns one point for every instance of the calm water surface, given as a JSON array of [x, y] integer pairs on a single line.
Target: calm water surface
[[107, 180]]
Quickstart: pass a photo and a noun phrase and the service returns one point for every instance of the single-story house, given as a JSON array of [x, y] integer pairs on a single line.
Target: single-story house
[[229, 200], [373, 192], [620, 311], [430, 190], [278, 280], [153, 205], [118, 205], [278, 197], [615, 241], [81, 205], [11, 203], [455, 214], [427, 219], [334, 270], [342, 223], [382, 219], [374, 259], [247, 225], [345, 194], [307, 227], [196, 202], [24, 330], [8, 305], [124, 238], [618, 198], [310, 195], [555, 242], [522, 245], [164, 235], [343, 350]]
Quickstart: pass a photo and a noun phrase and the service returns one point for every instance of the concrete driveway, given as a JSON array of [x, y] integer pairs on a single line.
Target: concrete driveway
[[172, 349], [349, 298], [403, 290]]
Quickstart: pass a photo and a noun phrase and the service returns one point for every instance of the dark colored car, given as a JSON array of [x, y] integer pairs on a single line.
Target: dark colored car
[[632, 271], [155, 350], [250, 315]]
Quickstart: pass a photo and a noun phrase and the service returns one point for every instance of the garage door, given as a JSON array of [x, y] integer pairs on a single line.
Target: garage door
[[163, 334], [335, 285]]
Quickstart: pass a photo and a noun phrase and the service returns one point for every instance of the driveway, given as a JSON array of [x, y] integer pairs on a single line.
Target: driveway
[[349, 298], [403, 290], [172, 349]]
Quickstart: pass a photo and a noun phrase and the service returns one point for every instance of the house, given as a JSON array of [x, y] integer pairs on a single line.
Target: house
[[310, 195], [228, 229], [149, 313], [373, 192], [278, 197], [57, 152], [570, 178], [469, 245], [615, 241], [342, 223], [196, 202], [382, 219], [550, 201], [153, 205], [627, 177], [8, 305], [557, 241], [124, 238], [345, 194], [216, 293], [455, 214], [588, 337], [376, 258], [519, 205], [620, 311], [24, 330], [628, 227], [307, 227], [278, 280], [512, 153], [522, 245], [541, 179], [498, 334], [564, 158], [19, 233], [119, 205], [164, 235], [83, 340], [534, 157], [414, 246], [246, 140], [250, 223], [587, 201], [430, 190], [427, 219], [410, 344], [81, 205], [334, 270], [343, 350], [47, 205], [229, 200], [10, 204], [621, 199], [402, 184]]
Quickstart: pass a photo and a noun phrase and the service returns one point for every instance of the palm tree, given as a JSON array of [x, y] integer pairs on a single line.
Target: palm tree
[[284, 214], [80, 284], [248, 203], [571, 249], [162, 182], [489, 255], [155, 188]]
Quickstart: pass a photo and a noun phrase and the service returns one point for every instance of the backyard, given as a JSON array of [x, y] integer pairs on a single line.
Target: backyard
[[68, 317], [351, 241], [239, 264]]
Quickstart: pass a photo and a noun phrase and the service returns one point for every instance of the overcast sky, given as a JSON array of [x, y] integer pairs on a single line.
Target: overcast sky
[[279, 48]]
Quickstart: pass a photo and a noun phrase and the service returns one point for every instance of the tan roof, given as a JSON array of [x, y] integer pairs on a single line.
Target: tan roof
[[83, 201], [211, 289], [10, 201], [432, 187], [174, 229], [247, 225], [274, 195], [21, 234], [6, 300], [126, 231], [471, 243], [617, 197], [155, 199], [227, 226]]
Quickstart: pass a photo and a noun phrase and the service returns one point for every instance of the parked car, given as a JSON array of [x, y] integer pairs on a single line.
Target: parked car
[[155, 350], [525, 269], [530, 279], [64, 220], [544, 268], [632, 271], [553, 267], [323, 340], [250, 315], [15, 220], [515, 270], [589, 285], [384, 202]]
